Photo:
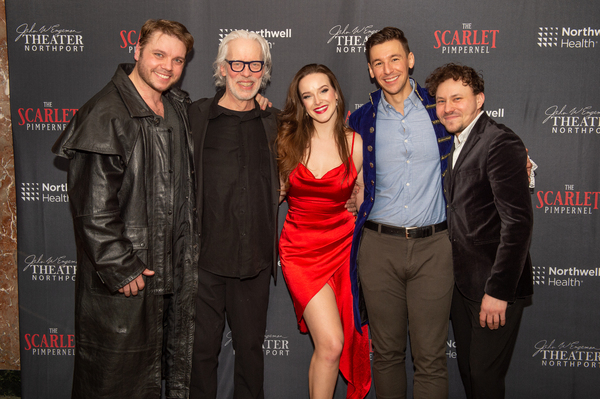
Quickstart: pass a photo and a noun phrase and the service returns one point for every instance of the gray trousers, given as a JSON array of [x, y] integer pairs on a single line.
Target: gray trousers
[[407, 286]]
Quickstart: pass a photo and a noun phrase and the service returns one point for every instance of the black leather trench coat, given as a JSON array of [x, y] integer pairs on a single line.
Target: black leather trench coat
[[125, 215]]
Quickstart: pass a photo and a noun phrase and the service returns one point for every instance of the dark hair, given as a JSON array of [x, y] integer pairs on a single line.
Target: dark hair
[[172, 28], [295, 127], [457, 72], [385, 35]]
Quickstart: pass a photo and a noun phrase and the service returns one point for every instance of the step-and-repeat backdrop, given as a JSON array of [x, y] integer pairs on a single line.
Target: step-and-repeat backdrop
[[540, 62]]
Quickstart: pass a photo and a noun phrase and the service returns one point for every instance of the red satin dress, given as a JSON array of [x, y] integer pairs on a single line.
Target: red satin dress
[[314, 250]]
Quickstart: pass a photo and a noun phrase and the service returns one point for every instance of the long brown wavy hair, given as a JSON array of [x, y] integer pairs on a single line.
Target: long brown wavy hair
[[295, 127]]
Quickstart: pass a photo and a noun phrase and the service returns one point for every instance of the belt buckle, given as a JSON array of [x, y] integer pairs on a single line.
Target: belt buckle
[[407, 231]]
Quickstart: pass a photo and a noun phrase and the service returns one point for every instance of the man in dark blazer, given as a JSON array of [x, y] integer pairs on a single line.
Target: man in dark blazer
[[237, 203], [490, 220]]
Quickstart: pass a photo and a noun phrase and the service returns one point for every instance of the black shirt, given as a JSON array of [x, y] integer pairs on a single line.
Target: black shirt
[[238, 221]]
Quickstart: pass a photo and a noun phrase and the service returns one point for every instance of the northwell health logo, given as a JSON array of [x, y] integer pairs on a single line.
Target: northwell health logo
[[30, 191], [44, 192], [266, 33], [567, 37], [548, 37], [562, 277]]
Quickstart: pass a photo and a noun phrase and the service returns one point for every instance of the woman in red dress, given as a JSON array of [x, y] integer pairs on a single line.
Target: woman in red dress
[[320, 159]]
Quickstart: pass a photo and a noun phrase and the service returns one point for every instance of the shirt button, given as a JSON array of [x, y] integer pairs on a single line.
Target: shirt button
[[372, 129], [370, 148], [408, 161], [372, 182], [371, 164], [365, 214], [405, 206], [408, 184], [373, 117]]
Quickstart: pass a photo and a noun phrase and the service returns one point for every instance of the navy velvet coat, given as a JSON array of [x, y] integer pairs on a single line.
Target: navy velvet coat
[[363, 121]]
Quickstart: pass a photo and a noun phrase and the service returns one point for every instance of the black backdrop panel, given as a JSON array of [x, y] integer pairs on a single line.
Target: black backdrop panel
[[539, 59]]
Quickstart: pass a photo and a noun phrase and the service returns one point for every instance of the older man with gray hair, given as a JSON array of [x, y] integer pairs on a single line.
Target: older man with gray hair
[[237, 203]]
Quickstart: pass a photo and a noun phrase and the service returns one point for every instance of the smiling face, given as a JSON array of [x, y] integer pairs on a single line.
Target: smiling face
[[244, 85], [319, 97], [389, 65], [456, 105], [160, 62]]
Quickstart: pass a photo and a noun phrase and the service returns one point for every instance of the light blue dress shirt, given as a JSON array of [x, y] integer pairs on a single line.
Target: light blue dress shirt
[[409, 184]]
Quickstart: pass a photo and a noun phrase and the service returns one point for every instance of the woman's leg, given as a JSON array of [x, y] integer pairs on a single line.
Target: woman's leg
[[322, 318]]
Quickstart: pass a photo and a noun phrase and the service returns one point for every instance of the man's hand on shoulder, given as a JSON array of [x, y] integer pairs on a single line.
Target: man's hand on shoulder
[[136, 285], [263, 102], [492, 313]]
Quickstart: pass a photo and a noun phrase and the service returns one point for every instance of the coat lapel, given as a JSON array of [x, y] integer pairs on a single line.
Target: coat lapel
[[472, 140]]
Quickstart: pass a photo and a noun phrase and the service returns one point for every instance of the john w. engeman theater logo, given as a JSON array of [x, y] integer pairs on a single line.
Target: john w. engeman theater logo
[[49, 38], [349, 39], [566, 354]]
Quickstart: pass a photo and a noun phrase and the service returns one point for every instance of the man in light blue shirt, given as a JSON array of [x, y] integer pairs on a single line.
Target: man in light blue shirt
[[401, 247], [407, 152]]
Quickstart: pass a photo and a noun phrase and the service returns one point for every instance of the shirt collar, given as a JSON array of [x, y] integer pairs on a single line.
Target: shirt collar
[[464, 135], [412, 97], [216, 110]]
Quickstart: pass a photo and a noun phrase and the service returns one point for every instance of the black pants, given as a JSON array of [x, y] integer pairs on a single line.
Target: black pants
[[483, 355], [245, 303]]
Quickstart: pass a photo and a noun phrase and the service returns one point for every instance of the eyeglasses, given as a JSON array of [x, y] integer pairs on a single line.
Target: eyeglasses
[[238, 66]]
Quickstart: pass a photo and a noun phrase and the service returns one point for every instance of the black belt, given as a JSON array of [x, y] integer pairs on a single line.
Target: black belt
[[408, 232]]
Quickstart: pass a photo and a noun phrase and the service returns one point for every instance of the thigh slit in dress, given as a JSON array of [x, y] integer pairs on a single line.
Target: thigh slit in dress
[[314, 250]]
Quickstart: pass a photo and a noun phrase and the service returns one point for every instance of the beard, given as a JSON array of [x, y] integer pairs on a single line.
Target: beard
[[242, 95]]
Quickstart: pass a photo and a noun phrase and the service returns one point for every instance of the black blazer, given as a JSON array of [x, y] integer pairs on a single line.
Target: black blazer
[[490, 216]]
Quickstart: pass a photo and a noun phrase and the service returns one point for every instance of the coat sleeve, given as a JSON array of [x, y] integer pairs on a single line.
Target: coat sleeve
[[508, 179], [94, 181]]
